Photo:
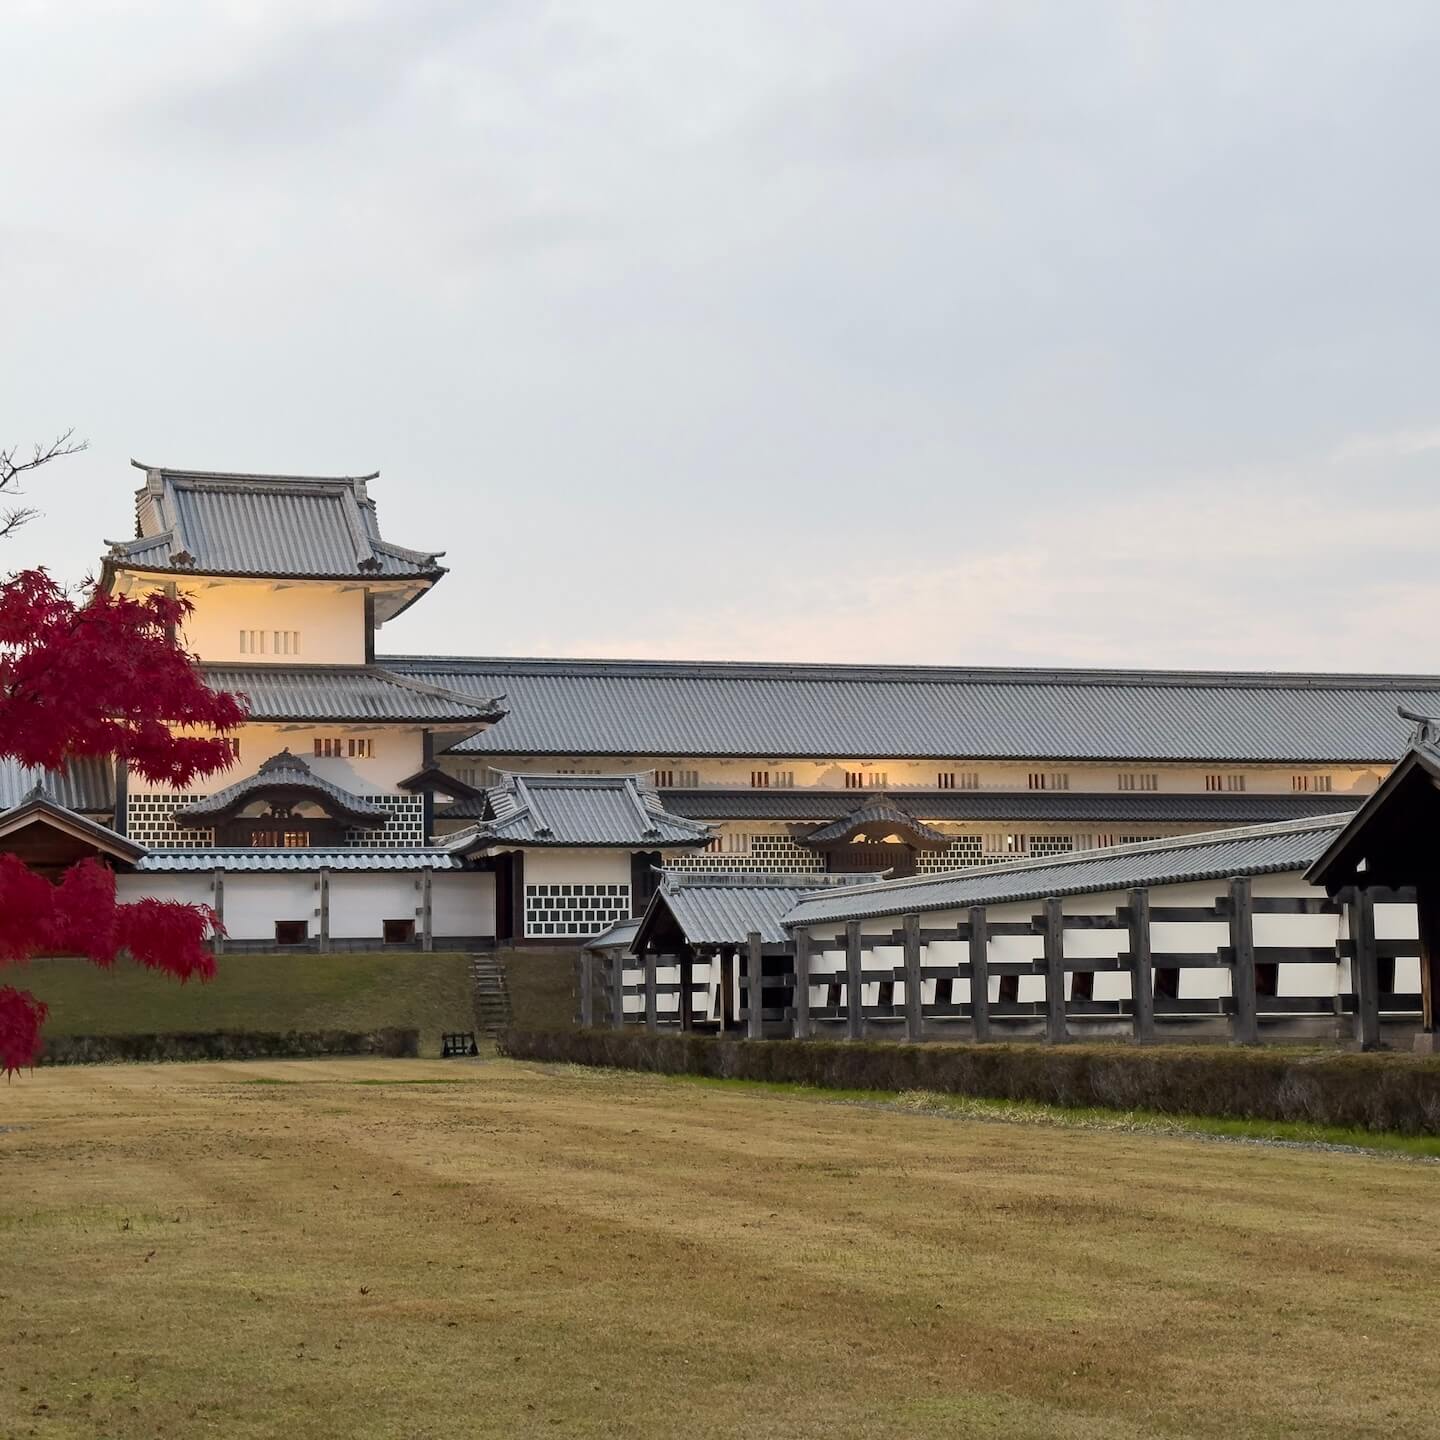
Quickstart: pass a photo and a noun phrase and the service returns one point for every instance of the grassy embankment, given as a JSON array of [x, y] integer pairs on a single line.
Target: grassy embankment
[[382, 1248]]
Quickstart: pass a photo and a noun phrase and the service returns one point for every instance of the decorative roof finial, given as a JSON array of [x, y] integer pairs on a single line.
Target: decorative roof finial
[[1427, 727]]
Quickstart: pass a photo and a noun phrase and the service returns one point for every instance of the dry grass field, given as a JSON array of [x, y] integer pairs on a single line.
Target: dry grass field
[[416, 1248]]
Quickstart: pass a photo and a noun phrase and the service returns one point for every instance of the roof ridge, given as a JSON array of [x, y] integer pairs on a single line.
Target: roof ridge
[[1080, 857], [938, 674], [185, 472]]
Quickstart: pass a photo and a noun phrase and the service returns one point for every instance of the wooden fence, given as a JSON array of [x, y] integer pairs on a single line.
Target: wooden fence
[[785, 982]]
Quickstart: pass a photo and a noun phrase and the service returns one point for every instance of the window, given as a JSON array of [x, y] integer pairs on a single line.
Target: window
[[677, 779], [1233, 783], [959, 780], [1009, 990], [1082, 985], [729, 843], [280, 839], [252, 642], [287, 642], [1139, 780], [1318, 784], [1004, 844], [269, 642], [765, 779], [854, 780], [877, 779], [1049, 780], [397, 932], [292, 932], [354, 747], [665, 779], [866, 779]]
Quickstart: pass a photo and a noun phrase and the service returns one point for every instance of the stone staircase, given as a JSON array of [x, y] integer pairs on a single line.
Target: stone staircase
[[491, 993]]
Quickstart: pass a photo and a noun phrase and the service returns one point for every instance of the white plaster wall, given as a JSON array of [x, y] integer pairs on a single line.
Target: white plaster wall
[[361, 901], [189, 889], [463, 903], [254, 902], [1401, 922], [399, 752], [580, 866], [329, 617]]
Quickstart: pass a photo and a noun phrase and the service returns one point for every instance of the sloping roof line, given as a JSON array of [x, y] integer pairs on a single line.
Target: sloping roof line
[[201, 859], [1252, 850], [577, 810], [1424, 755], [659, 710], [288, 774], [346, 692], [41, 804], [87, 784], [880, 813]]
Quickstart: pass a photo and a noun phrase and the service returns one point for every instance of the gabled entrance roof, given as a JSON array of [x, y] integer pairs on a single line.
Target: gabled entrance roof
[[1394, 838], [875, 820], [41, 808], [288, 779]]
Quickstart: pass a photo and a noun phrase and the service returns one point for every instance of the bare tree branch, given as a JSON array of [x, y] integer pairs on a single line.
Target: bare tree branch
[[13, 464]]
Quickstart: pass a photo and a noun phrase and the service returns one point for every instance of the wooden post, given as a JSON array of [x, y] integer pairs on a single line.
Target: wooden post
[[979, 972], [217, 893], [587, 989], [427, 910], [687, 989], [1364, 969], [1242, 961], [1427, 913], [617, 989], [1142, 968], [1056, 1030], [854, 987], [754, 979], [652, 1004], [914, 1014], [324, 911], [801, 1024]]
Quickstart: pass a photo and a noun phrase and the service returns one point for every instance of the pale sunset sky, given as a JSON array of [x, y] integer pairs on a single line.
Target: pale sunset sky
[[1092, 332]]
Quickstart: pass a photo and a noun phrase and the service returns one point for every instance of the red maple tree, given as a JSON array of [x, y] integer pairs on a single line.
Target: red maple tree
[[99, 675]]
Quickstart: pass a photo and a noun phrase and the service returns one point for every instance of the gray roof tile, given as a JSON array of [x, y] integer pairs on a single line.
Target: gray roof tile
[[284, 772], [257, 859], [347, 692], [715, 908], [1253, 850], [207, 523], [573, 810], [1109, 807], [661, 709], [88, 784]]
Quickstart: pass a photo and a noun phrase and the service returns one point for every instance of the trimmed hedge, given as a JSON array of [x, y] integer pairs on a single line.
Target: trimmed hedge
[[227, 1045], [1399, 1093]]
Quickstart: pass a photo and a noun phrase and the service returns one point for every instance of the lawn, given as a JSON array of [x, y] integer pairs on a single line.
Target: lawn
[[260, 992], [423, 1248]]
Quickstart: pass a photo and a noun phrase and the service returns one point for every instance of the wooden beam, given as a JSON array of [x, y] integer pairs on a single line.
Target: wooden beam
[[617, 990], [652, 1008], [1142, 968], [587, 988], [427, 910], [754, 980], [1246, 1030], [800, 1025], [1056, 1031], [979, 973], [854, 988], [324, 907], [687, 989], [1364, 970], [217, 903], [1427, 912], [914, 1012]]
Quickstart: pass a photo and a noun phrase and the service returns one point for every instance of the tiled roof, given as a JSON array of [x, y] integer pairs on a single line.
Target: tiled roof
[[289, 776], [661, 709], [618, 937], [40, 804], [815, 805], [570, 810], [256, 859], [1254, 850], [716, 908], [347, 692], [880, 814], [88, 784], [208, 523]]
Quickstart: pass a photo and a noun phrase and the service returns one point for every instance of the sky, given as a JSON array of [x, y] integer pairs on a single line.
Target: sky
[[1093, 332]]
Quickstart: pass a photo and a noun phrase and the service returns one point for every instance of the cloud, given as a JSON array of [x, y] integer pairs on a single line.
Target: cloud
[[1388, 445]]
